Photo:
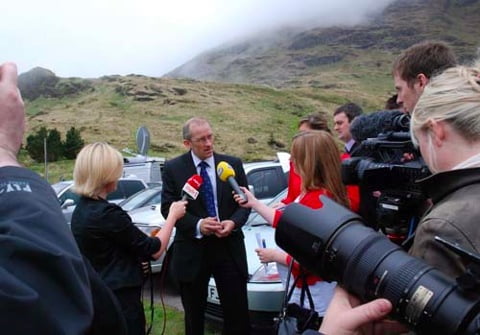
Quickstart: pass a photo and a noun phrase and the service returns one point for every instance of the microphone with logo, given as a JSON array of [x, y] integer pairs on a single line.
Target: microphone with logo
[[191, 187], [226, 173]]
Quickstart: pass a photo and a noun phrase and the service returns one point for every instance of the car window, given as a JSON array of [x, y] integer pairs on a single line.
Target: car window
[[117, 194], [140, 199], [266, 182], [126, 188], [60, 186], [68, 194], [131, 187]]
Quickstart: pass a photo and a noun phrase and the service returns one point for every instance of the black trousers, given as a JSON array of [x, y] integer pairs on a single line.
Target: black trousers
[[232, 290], [132, 309]]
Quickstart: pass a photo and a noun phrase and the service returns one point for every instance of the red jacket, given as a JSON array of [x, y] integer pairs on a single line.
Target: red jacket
[[295, 182]]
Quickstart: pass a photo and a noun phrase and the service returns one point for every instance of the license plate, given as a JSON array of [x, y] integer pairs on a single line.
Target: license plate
[[213, 294]]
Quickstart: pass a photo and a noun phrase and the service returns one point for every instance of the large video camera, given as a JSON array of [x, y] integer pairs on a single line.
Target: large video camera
[[379, 164], [335, 244]]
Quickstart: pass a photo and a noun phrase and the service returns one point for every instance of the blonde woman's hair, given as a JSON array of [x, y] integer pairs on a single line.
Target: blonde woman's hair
[[317, 160], [452, 96], [97, 165]]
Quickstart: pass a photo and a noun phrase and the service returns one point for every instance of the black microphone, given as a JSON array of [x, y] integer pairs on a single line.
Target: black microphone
[[226, 173], [191, 187], [370, 125]]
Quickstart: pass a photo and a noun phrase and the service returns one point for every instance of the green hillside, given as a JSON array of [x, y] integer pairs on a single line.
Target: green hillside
[[253, 122]]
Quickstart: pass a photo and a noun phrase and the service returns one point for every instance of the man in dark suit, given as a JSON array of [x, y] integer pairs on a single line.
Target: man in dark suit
[[208, 239], [342, 118]]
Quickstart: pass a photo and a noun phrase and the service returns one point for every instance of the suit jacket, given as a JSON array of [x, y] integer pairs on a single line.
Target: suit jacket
[[353, 150], [189, 251]]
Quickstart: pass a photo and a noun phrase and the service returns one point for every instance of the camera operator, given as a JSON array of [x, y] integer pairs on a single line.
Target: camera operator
[[415, 66], [446, 126], [412, 71]]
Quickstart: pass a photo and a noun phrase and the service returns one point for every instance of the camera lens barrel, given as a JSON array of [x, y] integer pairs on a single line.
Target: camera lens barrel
[[335, 244]]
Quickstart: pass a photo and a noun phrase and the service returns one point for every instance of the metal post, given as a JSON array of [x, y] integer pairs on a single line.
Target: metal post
[[45, 157]]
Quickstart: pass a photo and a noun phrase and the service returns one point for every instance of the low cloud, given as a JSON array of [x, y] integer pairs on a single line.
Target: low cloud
[[92, 38]]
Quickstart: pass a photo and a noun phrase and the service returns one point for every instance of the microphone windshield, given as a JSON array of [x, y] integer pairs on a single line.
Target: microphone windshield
[[370, 125], [225, 171]]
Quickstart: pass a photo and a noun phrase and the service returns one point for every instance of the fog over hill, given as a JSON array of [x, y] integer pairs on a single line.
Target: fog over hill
[[296, 56]]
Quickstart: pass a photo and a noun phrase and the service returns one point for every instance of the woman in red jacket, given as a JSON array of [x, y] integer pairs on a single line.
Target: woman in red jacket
[[315, 121], [316, 159]]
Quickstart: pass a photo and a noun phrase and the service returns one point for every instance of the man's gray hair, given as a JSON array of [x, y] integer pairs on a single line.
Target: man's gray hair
[[186, 126]]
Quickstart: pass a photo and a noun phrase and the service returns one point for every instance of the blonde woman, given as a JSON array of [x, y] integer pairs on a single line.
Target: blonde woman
[[105, 234], [316, 159], [446, 126]]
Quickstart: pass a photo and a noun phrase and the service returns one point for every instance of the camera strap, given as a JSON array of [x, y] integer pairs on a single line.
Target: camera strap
[[305, 289]]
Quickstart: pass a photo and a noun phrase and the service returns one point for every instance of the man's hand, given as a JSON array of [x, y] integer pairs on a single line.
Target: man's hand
[[346, 316], [226, 228], [209, 226], [12, 115]]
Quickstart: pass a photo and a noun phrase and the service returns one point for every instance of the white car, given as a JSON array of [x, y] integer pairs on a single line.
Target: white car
[[149, 220], [265, 289]]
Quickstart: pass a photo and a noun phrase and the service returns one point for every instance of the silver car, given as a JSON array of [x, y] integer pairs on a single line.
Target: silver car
[[149, 220], [265, 288], [68, 198]]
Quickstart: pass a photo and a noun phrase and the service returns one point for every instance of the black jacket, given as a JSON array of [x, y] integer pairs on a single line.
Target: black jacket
[[189, 251], [106, 235], [45, 286]]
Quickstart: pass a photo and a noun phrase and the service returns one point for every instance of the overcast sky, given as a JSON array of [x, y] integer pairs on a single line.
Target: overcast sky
[[91, 38]]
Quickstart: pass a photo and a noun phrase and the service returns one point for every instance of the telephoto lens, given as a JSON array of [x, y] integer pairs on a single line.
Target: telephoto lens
[[334, 243]]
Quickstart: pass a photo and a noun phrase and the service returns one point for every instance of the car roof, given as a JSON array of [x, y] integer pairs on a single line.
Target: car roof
[[254, 165]]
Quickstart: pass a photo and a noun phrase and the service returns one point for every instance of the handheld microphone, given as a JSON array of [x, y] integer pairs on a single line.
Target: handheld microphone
[[226, 173], [191, 187]]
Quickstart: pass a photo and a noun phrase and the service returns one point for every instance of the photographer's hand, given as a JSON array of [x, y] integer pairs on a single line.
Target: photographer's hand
[[12, 115], [346, 316]]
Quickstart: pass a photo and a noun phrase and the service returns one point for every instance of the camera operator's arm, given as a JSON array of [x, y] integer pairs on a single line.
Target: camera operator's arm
[[346, 316]]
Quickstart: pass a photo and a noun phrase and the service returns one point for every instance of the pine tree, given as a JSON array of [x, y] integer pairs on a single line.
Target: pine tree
[[73, 143], [54, 145], [35, 144]]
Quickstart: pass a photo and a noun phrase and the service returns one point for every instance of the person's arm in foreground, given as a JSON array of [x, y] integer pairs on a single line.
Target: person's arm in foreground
[[12, 116], [346, 316]]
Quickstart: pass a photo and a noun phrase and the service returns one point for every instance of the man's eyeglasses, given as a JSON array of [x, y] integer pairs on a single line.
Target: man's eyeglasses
[[204, 139]]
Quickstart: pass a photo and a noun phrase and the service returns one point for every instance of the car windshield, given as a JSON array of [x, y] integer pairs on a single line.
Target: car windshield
[[142, 198], [60, 186]]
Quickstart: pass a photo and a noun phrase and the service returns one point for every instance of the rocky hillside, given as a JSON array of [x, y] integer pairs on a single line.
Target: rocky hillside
[[323, 56], [250, 121]]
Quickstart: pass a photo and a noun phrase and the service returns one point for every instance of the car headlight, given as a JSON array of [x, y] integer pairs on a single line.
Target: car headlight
[[267, 273]]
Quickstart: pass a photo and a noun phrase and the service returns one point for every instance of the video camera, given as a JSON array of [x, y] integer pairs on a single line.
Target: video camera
[[379, 164], [335, 244]]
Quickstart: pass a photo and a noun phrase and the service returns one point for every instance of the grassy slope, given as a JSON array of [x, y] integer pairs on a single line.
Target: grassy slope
[[238, 112]]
